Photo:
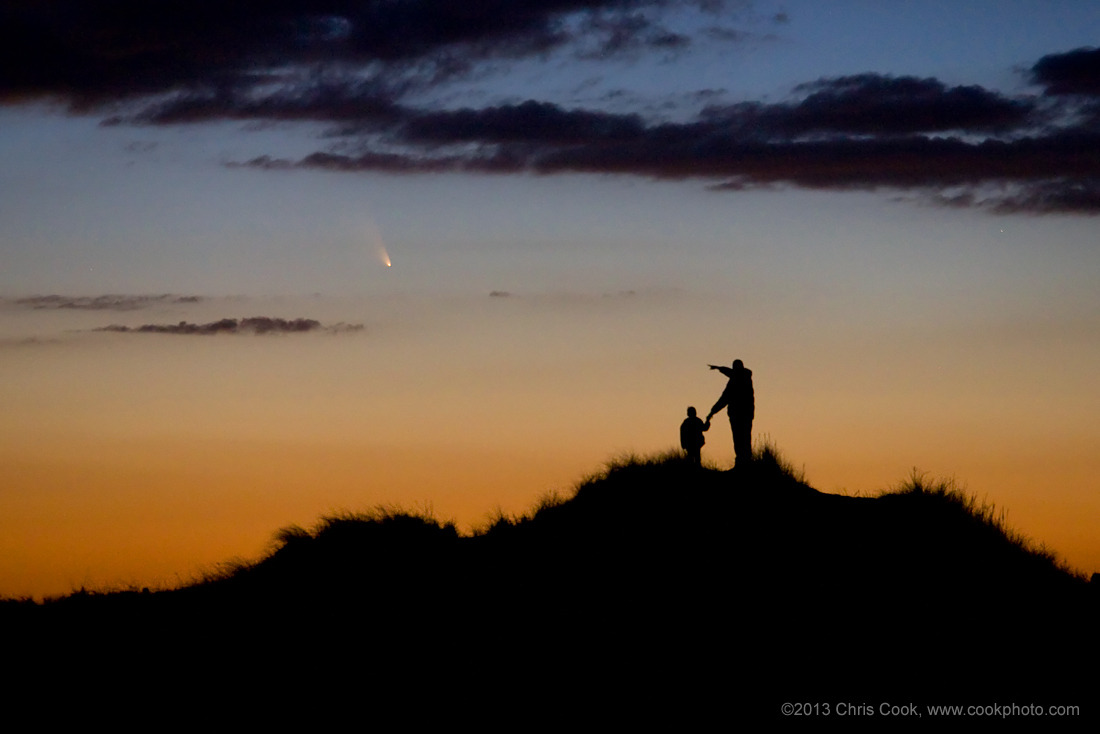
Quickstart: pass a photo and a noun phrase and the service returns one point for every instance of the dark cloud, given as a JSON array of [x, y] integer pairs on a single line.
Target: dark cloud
[[858, 105], [860, 132], [253, 325], [856, 132], [871, 104], [1075, 72], [215, 327], [541, 123], [92, 53], [710, 150], [102, 303], [353, 66]]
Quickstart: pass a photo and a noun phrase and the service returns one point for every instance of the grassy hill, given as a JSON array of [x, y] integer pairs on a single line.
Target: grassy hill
[[655, 578]]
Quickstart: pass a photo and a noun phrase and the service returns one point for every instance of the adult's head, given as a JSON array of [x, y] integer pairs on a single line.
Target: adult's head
[[738, 364], [691, 412]]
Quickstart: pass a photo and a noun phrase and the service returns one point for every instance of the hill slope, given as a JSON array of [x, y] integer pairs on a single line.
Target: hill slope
[[655, 577]]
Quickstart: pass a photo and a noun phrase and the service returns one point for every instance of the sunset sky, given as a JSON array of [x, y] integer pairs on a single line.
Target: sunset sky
[[887, 210]]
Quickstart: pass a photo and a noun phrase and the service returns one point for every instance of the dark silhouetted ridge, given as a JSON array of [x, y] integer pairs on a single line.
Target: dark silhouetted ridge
[[656, 578]]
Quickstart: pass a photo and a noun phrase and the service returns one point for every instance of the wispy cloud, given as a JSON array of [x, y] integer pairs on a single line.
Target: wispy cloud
[[101, 303], [251, 325], [25, 342]]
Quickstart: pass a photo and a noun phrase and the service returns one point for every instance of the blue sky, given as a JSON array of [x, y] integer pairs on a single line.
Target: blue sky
[[87, 208]]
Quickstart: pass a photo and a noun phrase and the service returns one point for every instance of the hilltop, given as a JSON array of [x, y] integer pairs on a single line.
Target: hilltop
[[653, 575]]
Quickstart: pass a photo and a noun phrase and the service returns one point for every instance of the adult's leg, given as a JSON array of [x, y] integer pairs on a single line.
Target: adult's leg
[[742, 439]]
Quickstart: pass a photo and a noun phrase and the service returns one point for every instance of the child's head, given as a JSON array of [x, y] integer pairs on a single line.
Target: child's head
[[691, 412]]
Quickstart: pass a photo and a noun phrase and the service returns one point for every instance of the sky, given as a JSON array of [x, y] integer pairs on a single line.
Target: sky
[[259, 264]]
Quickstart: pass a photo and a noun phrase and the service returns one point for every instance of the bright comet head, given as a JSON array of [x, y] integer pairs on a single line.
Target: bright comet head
[[375, 237]]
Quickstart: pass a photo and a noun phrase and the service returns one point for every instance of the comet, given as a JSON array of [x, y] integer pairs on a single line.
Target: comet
[[375, 237]]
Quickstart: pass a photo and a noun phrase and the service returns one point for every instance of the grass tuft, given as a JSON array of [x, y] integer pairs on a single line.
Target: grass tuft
[[769, 458], [947, 494]]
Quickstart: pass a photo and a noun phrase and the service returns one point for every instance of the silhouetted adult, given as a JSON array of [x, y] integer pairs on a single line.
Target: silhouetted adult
[[740, 405], [691, 436]]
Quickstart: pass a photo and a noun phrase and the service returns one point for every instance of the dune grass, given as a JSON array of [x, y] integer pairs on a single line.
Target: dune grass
[[651, 569], [983, 516], [648, 496]]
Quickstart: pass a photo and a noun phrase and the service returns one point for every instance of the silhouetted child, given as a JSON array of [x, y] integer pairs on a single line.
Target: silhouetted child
[[691, 436]]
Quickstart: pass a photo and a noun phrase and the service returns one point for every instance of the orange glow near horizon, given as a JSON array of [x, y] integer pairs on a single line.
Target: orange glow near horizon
[[143, 459], [160, 513]]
